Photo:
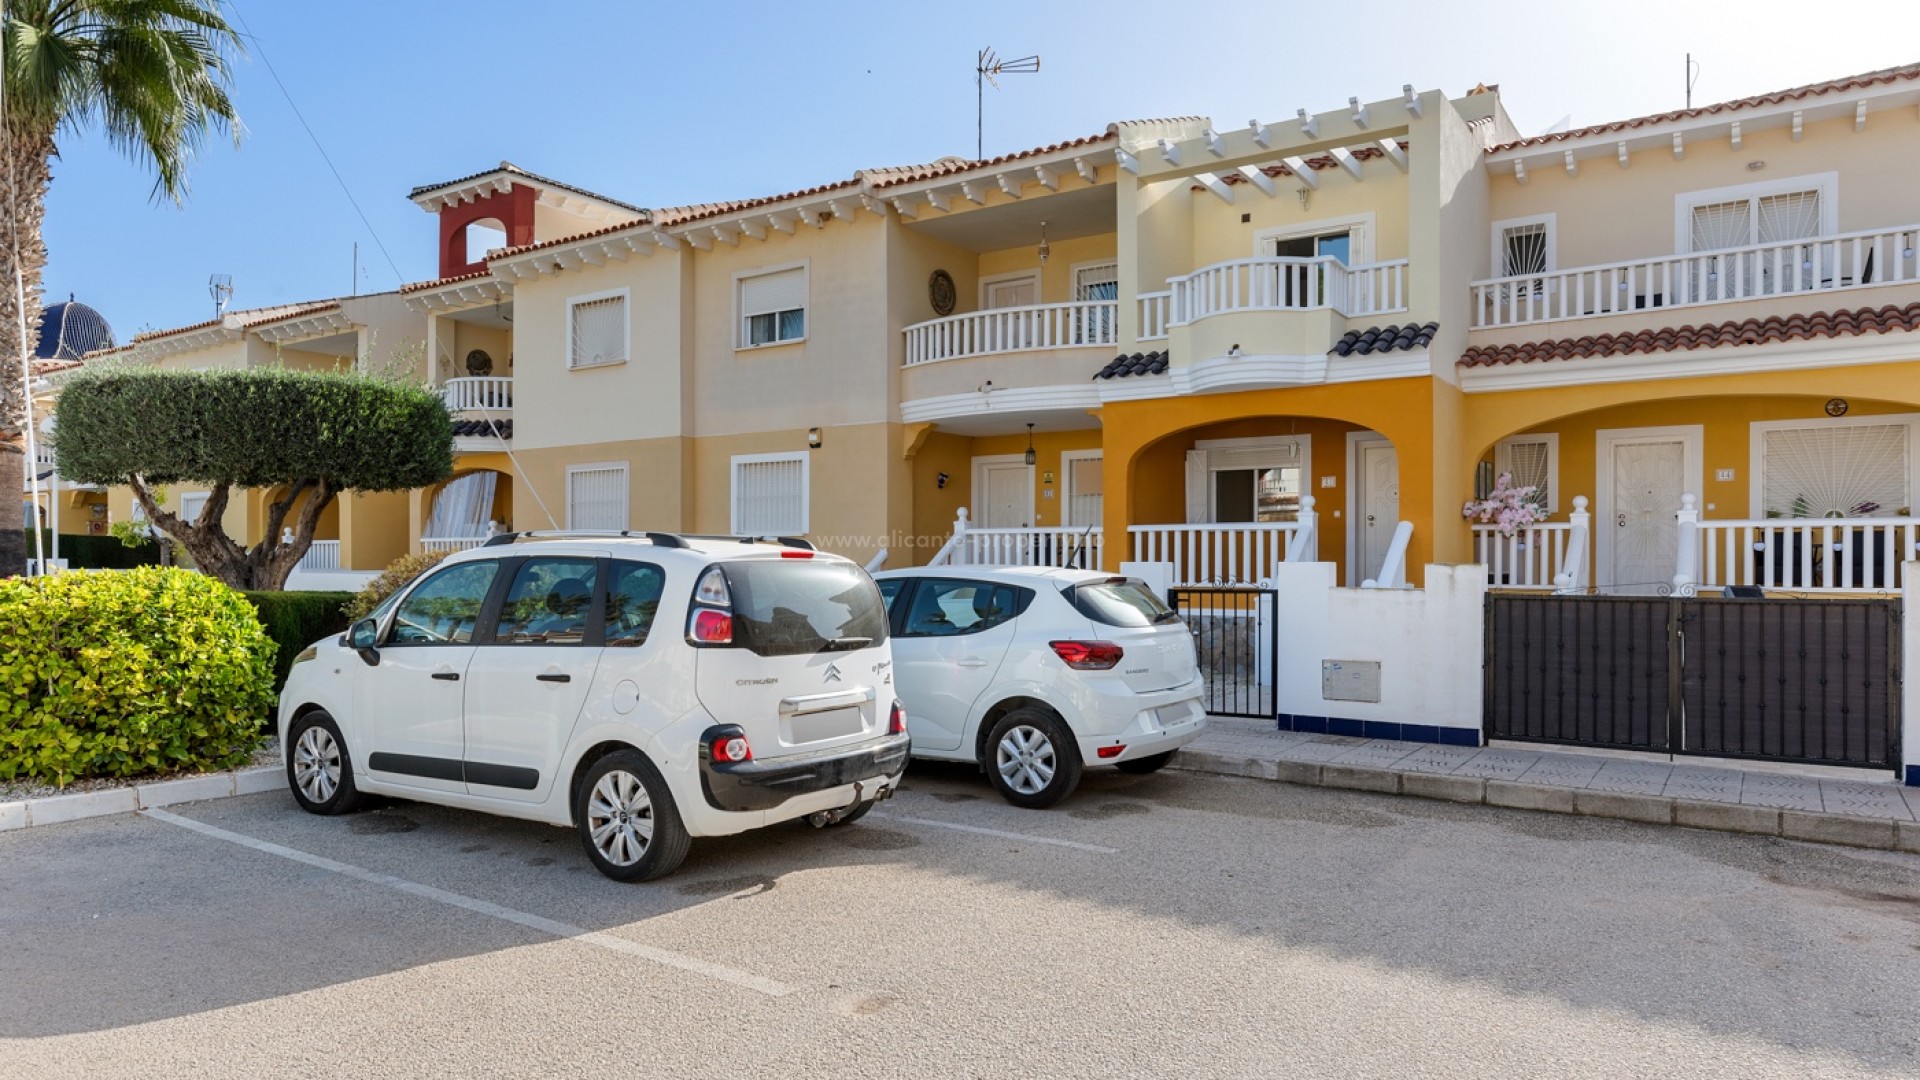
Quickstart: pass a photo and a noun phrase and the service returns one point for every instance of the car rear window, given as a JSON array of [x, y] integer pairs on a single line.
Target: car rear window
[[1120, 602], [795, 607]]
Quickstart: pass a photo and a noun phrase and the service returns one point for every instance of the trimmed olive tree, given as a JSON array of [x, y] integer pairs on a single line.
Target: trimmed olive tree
[[309, 435]]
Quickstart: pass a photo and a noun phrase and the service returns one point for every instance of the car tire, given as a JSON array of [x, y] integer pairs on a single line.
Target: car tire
[[319, 769], [1144, 765], [627, 818], [1032, 759]]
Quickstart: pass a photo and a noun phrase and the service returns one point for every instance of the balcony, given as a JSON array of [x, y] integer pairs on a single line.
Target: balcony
[[1013, 330], [492, 393], [321, 555], [447, 545], [1828, 264], [1286, 284]]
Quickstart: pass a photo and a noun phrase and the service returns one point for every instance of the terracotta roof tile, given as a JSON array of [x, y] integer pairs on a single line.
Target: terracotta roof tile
[[1836, 86], [483, 429], [510, 167], [1382, 339], [951, 166], [1122, 366], [1771, 330], [422, 286]]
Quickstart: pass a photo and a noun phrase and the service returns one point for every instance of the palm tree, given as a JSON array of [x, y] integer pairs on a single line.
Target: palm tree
[[153, 74]]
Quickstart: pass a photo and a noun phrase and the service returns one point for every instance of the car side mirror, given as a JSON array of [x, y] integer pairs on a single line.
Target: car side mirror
[[363, 636]]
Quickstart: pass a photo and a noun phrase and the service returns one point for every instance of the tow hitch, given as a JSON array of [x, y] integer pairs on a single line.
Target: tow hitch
[[820, 819]]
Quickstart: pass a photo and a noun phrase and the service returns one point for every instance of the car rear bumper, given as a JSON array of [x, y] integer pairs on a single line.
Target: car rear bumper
[[766, 785], [1166, 726]]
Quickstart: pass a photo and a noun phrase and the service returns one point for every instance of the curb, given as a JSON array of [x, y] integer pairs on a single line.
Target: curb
[[57, 809], [1879, 834]]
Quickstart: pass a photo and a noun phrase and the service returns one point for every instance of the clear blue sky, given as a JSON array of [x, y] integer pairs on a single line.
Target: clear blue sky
[[667, 104]]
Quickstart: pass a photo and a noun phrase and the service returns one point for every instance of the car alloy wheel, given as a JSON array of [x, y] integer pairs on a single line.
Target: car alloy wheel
[[1026, 760], [620, 818], [316, 764]]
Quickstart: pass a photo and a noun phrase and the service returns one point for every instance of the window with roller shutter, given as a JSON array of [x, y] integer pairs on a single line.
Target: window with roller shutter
[[770, 494], [772, 305]]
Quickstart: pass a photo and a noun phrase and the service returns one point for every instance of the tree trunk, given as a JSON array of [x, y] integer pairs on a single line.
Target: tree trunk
[[263, 567], [25, 172]]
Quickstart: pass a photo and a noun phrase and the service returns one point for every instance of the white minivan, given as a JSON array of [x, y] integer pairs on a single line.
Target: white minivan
[[643, 688], [1037, 673]]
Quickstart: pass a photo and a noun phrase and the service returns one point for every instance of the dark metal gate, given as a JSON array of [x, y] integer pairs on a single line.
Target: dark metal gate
[[1233, 633], [1787, 680]]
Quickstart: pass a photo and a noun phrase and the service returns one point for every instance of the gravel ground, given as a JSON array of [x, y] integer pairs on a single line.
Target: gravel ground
[[16, 790]]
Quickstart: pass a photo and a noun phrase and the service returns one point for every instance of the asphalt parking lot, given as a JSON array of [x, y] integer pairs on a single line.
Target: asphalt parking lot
[[1150, 926]]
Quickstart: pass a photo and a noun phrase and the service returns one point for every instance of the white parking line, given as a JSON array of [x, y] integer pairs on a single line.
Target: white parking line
[[1023, 837], [721, 972]]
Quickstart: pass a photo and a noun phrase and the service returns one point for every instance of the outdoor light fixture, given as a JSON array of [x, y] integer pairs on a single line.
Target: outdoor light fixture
[[1030, 454], [1044, 250], [939, 480], [813, 438]]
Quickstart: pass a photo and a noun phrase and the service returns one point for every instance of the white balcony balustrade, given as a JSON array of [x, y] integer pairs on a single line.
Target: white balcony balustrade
[[1287, 284], [491, 393], [1822, 265], [1228, 553], [1544, 555], [1015, 329], [447, 545], [1035, 545], [1794, 555], [321, 555], [1153, 315]]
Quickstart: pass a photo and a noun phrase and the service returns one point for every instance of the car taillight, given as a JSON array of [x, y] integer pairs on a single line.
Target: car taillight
[[796, 554], [732, 748], [711, 627], [897, 719], [1088, 655]]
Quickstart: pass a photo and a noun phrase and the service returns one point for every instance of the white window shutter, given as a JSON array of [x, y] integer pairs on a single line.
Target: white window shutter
[[769, 497], [782, 290], [597, 498], [599, 332], [1196, 487]]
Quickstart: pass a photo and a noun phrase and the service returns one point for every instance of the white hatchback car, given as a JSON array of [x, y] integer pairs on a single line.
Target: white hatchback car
[[1035, 673], [644, 688]]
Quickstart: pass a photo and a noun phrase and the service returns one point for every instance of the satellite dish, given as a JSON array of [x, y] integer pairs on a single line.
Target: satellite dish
[[479, 363]]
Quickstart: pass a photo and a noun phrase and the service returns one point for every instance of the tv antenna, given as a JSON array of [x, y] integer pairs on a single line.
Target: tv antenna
[[1693, 76], [220, 287], [986, 66]]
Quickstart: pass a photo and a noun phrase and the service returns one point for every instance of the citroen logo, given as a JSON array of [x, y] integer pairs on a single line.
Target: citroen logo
[[833, 673]]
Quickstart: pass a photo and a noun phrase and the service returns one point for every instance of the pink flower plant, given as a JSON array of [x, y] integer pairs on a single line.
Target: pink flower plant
[[1509, 508]]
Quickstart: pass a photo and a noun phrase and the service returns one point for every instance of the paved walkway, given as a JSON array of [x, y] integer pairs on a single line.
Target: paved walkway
[[1697, 792]]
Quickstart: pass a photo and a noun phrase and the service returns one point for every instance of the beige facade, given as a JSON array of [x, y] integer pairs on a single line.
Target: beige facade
[[1308, 307]]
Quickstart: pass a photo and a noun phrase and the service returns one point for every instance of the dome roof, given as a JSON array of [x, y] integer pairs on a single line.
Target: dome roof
[[70, 330]]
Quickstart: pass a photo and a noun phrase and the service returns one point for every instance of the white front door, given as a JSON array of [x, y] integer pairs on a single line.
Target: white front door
[[1003, 494], [1377, 497], [1648, 480]]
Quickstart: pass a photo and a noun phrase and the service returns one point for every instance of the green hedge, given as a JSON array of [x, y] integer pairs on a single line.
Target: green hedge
[[98, 552], [144, 671], [296, 620]]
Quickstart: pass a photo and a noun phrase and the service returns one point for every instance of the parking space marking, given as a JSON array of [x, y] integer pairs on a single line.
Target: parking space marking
[[1023, 837], [721, 972]]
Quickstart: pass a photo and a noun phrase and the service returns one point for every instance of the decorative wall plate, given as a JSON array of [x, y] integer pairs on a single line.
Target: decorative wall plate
[[941, 293]]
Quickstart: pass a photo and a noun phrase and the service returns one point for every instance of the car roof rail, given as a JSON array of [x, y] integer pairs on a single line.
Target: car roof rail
[[784, 541], [657, 539]]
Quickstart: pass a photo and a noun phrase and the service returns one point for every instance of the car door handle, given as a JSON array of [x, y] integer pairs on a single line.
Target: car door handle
[[971, 661], [450, 676], [554, 678]]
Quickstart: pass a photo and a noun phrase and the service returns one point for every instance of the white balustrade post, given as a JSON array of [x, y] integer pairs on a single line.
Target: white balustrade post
[[1571, 575], [1305, 546], [1686, 569]]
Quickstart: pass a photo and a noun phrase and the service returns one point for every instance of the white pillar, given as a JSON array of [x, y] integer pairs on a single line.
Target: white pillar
[[1686, 567]]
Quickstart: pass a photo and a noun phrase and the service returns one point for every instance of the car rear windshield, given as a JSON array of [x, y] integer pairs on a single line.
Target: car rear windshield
[[796, 607], [1120, 602]]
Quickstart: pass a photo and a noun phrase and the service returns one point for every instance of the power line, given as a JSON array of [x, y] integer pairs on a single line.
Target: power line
[[348, 192]]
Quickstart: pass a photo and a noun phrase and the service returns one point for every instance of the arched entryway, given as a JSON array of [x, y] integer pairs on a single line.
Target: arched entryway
[[472, 505]]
